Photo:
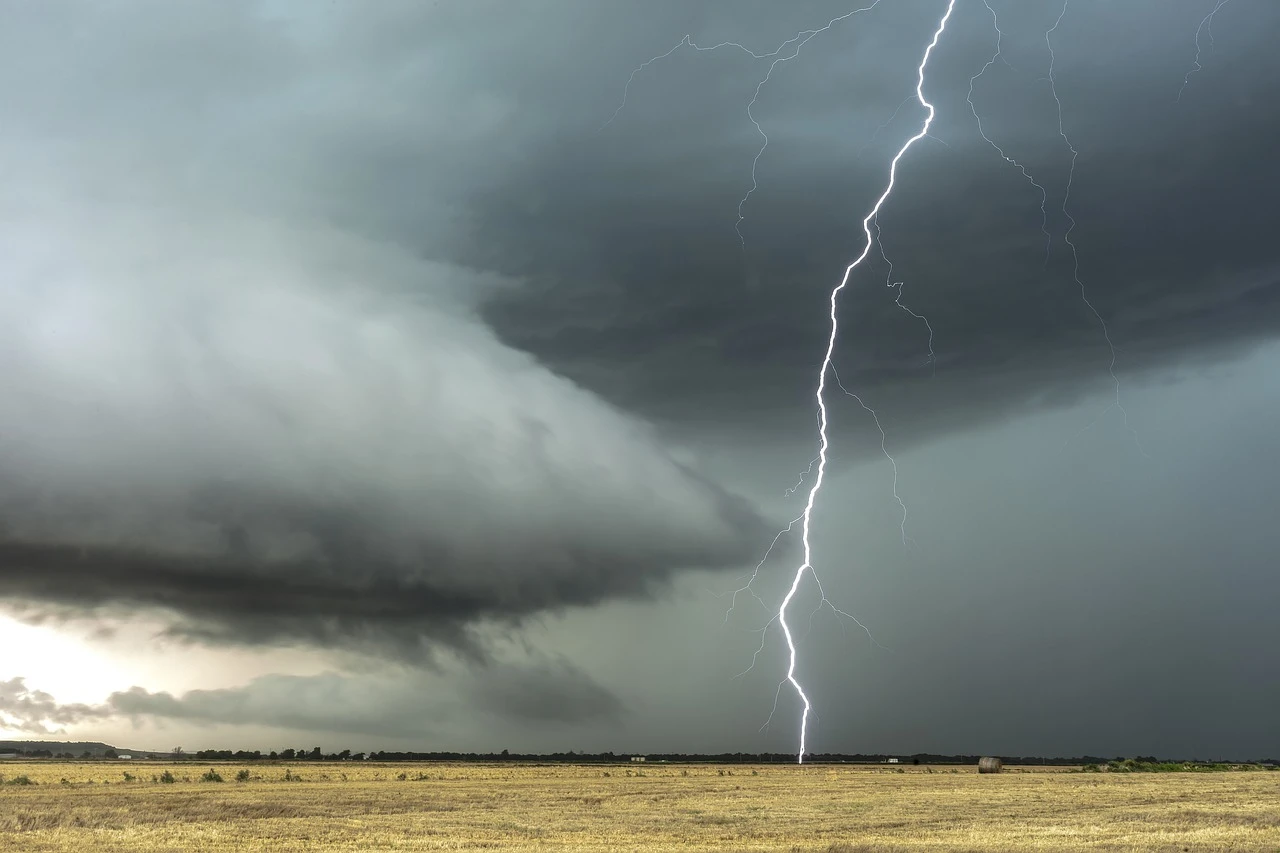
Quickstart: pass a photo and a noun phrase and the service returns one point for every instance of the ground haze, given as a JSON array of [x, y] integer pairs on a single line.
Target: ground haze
[[430, 806]]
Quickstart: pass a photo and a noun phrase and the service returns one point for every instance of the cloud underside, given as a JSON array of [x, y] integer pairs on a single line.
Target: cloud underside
[[224, 602]]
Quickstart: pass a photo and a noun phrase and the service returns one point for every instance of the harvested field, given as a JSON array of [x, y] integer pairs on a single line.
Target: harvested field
[[351, 806]]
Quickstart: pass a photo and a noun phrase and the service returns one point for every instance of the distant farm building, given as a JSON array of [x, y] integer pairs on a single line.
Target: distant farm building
[[891, 761], [988, 764], [637, 758], [124, 757]]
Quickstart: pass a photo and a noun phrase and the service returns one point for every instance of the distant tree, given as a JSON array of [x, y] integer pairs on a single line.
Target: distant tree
[[344, 755], [177, 752], [505, 753], [86, 754], [287, 754], [110, 753], [274, 754], [315, 753]]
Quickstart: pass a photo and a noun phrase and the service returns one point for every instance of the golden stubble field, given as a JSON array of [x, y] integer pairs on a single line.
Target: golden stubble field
[[353, 806]]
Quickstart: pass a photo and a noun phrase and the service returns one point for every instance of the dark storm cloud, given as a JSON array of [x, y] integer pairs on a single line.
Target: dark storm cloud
[[233, 391], [252, 377], [639, 286]]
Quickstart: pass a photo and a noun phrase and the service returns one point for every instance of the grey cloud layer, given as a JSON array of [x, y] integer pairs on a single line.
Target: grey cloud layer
[[275, 425], [254, 435]]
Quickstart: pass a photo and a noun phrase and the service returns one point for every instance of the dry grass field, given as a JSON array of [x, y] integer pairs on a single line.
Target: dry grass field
[[353, 806]]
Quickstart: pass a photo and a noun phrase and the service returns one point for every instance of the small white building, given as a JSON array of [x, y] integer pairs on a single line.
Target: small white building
[[124, 757], [637, 758], [891, 761]]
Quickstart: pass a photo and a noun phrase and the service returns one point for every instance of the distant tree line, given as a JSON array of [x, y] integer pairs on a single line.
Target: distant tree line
[[313, 754], [573, 757], [48, 753]]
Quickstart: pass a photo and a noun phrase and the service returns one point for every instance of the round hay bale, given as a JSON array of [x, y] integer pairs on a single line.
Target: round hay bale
[[988, 764]]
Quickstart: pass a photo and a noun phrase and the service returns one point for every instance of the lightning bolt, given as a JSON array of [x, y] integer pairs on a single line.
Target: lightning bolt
[[1071, 224], [1206, 25], [786, 51], [823, 440]]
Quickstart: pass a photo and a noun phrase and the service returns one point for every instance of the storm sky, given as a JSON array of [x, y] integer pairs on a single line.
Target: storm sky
[[415, 376]]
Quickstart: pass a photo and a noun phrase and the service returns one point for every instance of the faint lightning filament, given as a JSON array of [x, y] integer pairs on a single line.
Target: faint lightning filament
[[1044, 196], [1071, 226], [1206, 25]]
